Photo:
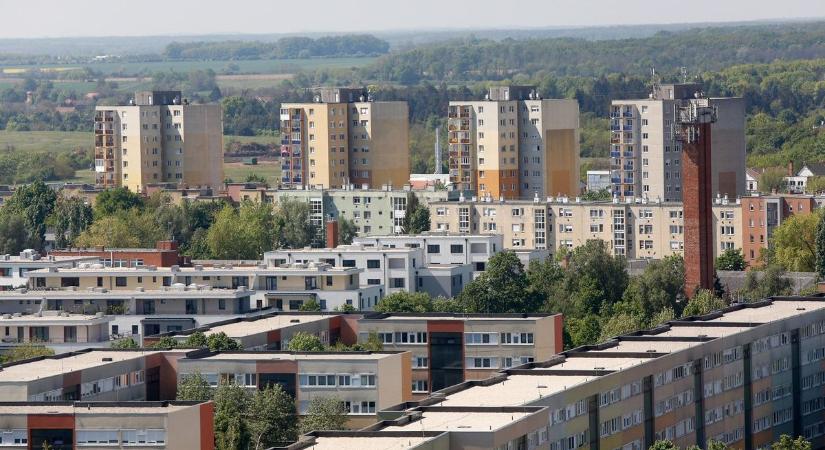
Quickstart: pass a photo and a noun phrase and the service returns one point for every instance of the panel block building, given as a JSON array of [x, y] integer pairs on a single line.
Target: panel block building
[[646, 157], [159, 138], [345, 138], [514, 144]]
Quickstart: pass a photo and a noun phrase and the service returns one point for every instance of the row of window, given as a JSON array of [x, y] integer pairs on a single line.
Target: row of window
[[125, 437], [336, 380], [719, 413], [671, 403]]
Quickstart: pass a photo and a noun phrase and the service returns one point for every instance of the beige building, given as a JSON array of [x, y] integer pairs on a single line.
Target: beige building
[[646, 158], [108, 426], [160, 138], [345, 138], [514, 144], [55, 329], [636, 230], [366, 382], [447, 349]]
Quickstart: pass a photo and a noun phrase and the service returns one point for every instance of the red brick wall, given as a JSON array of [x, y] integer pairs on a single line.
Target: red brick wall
[[698, 216]]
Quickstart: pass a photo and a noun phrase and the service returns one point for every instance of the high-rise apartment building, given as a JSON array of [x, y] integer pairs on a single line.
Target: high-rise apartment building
[[646, 158], [515, 144], [159, 138], [345, 138]]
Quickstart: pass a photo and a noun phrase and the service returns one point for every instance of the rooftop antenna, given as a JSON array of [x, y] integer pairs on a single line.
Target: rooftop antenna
[[437, 152]]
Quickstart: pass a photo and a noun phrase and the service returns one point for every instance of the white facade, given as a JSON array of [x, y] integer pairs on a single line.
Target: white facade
[[14, 269], [444, 248]]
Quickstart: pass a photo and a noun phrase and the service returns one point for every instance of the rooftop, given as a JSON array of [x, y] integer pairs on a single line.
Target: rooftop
[[96, 408], [293, 356], [366, 443], [777, 310], [462, 421], [238, 328], [66, 363], [29, 260], [53, 319], [647, 346], [515, 390], [99, 269], [126, 294], [454, 316], [574, 363]]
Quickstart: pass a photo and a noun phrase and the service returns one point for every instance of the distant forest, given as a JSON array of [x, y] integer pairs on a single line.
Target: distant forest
[[285, 48]]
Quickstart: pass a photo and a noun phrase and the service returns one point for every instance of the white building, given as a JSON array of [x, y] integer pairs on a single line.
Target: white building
[[598, 180], [14, 269]]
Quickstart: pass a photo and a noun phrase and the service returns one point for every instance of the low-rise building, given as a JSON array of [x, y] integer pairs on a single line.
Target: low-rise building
[[14, 269], [60, 331], [450, 348], [273, 331], [443, 248], [762, 214], [109, 425], [636, 230], [399, 269], [165, 254], [366, 382], [598, 180], [743, 376], [284, 288], [92, 375]]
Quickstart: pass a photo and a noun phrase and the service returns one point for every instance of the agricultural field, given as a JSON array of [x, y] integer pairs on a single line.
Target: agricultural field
[[273, 66], [268, 169]]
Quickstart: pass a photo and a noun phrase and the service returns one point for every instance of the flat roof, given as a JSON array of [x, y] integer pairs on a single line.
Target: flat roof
[[110, 408], [777, 310], [343, 248], [453, 316], [367, 442], [249, 327], [516, 390], [123, 293], [297, 269], [644, 346], [45, 260], [294, 356], [54, 319], [574, 363], [51, 366], [696, 331], [461, 421]]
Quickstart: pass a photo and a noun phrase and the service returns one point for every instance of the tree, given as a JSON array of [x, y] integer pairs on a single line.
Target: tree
[[788, 443], [33, 203], [292, 224], [164, 343], [310, 305], [502, 287], [125, 343], [582, 331], [347, 231], [243, 233], [324, 413], [403, 301], [716, 445], [116, 200], [773, 282], [593, 279], [13, 234], [702, 303], [231, 406], [815, 185], [271, 417], [196, 340], [305, 342], [132, 228], [622, 323], [71, 216], [221, 342], [660, 286], [820, 248], [663, 445], [419, 220], [731, 259], [373, 344], [194, 387], [25, 351], [773, 180], [793, 243]]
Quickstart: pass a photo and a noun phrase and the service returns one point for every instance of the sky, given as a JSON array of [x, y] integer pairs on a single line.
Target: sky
[[64, 18]]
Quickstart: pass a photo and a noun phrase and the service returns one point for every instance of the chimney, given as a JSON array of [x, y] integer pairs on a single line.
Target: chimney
[[332, 233], [790, 168], [166, 245]]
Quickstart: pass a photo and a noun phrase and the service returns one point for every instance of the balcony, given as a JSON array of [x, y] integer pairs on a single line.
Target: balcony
[[627, 114], [615, 128], [615, 154], [627, 167], [628, 193], [628, 181], [628, 127], [615, 114], [628, 154], [615, 180]]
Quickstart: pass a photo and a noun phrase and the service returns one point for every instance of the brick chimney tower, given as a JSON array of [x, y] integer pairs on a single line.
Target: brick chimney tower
[[331, 232], [694, 118]]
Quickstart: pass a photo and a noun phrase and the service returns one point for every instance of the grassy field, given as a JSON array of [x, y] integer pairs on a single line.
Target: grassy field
[[270, 170], [65, 141], [50, 141], [268, 66]]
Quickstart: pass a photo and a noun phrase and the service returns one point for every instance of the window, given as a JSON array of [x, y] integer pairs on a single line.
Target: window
[[420, 386], [517, 338], [410, 337], [420, 362], [456, 249], [482, 363], [433, 248], [373, 264], [397, 283], [480, 338], [315, 380]]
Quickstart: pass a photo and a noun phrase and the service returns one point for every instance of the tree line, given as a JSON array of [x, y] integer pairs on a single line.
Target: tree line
[[284, 48]]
